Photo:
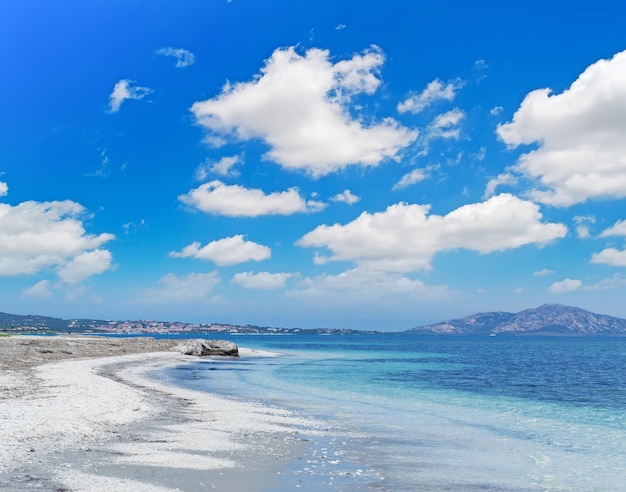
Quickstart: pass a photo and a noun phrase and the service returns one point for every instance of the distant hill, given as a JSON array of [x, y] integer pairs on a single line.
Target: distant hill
[[549, 319], [31, 322], [17, 323]]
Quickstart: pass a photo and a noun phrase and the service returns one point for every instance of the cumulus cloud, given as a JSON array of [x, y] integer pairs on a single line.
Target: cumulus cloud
[[85, 265], [4, 188], [124, 90], [237, 201], [496, 110], [434, 91], [501, 179], [299, 105], [346, 197], [617, 229], [36, 236], [227, 251], [223, 167], [184, 58], [365, 284], [41, 290], [262, 280], [611, 283], [405, 237], [614, 282], [582, 227], [567, 285], [411, 178], [445, 125], [181, 289], [580, 132], [610, 256], [543, 273]]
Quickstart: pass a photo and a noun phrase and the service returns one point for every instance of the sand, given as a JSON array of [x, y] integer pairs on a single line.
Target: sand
[[87, 414]]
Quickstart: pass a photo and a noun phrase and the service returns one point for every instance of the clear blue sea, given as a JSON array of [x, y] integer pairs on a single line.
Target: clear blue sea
[[429, 413]]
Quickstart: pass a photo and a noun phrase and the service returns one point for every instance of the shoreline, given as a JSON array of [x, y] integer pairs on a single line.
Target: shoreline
[[95, 419]]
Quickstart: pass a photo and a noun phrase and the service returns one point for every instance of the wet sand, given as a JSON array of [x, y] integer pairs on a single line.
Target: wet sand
[[85, 414]]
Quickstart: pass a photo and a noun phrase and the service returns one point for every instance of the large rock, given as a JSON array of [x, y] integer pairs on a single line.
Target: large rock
[[208, 347]]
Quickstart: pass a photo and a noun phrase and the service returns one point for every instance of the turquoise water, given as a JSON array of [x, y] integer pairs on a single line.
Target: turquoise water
[[410, 412]]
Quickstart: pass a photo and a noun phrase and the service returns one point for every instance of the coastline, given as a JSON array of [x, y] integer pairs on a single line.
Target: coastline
[[85, 414]]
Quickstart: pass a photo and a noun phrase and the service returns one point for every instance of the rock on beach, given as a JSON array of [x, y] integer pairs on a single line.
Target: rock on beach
[[23, 352], [200, 347]]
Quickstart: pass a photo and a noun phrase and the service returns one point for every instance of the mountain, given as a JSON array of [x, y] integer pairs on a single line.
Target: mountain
[[549, 319]]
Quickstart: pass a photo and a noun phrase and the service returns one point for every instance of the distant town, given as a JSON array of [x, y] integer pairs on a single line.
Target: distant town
[[24, 324]]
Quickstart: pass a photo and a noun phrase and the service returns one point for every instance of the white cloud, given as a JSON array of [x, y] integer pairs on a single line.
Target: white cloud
[[434, 91], [340, 27], [4, 188], [445, 125], [481, 154], [122, 91], [582, 229], [610, 256], [405, 237], [617, 229], [496, 110], [226, 251], [181, 289], [411, 178], [543, 273], [456, 160], [131, 227], [103, 171], [567, 285], [236, 201], [184, 58], [40, 290], [346, 197], [262, 280], [580, 132], [223, 167], [363, 284], [501, 179], [479, 69], [35, 236], [300, 107], [85, 265], [614, 282], [319, 259]]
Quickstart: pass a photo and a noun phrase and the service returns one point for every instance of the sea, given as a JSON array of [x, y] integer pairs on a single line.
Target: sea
[[439, 413]]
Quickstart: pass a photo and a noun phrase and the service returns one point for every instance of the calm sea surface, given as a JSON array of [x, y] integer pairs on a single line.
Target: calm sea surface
[[427, 413]]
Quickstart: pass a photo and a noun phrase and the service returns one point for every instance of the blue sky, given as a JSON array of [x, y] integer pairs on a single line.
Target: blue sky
[[340, 164]]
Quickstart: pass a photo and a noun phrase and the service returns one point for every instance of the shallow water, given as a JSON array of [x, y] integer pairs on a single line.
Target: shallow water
[[412, 412]]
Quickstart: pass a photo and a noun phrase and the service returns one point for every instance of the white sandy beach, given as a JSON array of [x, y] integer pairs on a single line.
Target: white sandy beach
[[93, 424]]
